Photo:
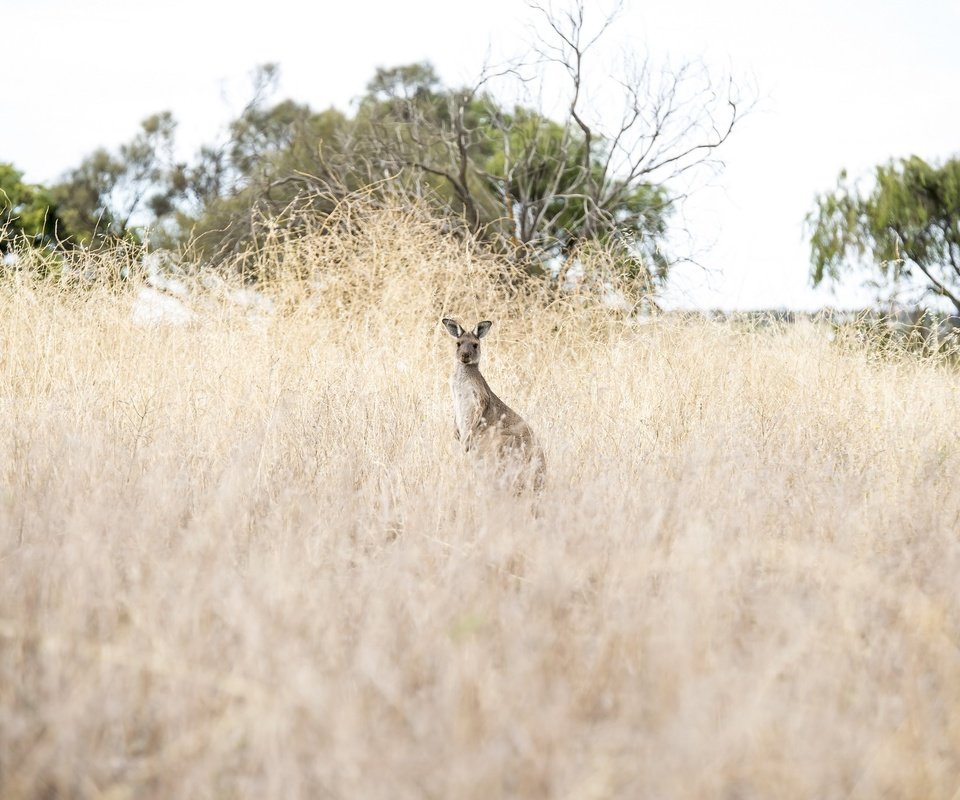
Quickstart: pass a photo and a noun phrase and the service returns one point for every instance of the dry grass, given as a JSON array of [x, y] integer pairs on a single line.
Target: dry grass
[[247, 560]]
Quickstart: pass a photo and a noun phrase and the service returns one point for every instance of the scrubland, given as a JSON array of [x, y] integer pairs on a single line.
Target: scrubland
[[242, 555]]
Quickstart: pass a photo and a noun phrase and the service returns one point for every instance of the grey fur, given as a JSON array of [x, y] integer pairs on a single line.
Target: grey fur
[[483, 423]]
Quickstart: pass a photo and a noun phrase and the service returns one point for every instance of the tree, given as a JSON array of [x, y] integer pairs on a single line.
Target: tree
[[671, 122], [101, 199], [541, 187], [538, 185], [274, 157], [907, 226], [426, 138], [26, 211]]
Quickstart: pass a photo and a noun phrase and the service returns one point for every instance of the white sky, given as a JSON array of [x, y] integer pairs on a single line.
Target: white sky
[[841, 83]]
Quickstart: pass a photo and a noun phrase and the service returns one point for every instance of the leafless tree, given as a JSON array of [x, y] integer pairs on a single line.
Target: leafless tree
[[671, 121], [545, 179]]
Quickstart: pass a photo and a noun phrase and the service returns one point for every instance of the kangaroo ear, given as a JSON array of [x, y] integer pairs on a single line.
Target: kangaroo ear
[[482, 328], [453, 327]]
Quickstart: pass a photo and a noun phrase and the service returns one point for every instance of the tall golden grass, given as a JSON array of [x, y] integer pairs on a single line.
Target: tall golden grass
[[245, 558]]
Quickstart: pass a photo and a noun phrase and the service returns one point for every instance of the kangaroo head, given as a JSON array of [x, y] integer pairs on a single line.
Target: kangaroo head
[[468, 342]]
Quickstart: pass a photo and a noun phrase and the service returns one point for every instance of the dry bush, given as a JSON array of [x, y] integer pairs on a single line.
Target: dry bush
[[246, 559]]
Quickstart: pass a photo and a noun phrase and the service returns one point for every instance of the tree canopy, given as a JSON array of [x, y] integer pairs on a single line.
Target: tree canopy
[[905, 226], [26, 210], [531, 185], [101, 199]]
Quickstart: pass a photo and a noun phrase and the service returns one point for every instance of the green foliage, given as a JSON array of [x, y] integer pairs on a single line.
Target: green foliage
[[534, 170], [274, 157], [528, 185], [26, 211], [540, 192], [906, 226], [100, 200], [533, 189], [516, 177], [410, 82]]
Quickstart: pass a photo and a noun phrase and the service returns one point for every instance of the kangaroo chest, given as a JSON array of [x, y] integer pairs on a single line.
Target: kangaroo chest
[[469, 401]]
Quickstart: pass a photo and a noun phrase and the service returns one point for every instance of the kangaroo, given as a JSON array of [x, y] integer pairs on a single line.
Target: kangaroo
[[483, 422]]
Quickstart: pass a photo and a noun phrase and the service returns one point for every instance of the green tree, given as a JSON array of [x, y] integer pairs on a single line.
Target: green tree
[[26, 210], [534, 186], [277, 158], [526, 184], [427, 139], [541, 176], [906, 226], [110, 195], [274, 157], [530, 187], [538, 186]]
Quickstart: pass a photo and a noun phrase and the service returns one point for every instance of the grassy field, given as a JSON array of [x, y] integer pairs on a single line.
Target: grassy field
[[244, 557]]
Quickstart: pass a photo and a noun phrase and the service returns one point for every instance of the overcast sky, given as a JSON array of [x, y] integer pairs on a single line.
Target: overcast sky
[[840, 83]]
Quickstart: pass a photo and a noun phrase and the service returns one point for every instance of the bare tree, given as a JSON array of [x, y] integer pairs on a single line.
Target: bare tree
[[672, 120], [538, 181]]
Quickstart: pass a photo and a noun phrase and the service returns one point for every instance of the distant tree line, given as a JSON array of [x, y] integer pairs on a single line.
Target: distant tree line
[[531, 185]]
